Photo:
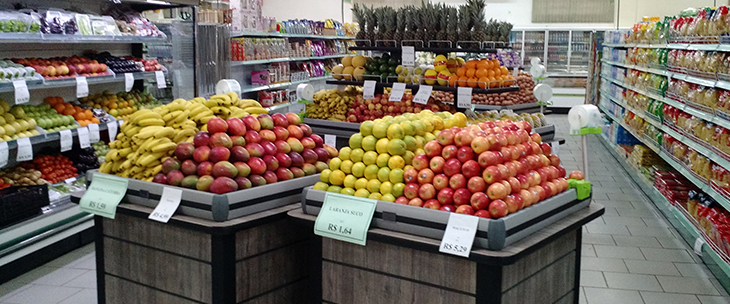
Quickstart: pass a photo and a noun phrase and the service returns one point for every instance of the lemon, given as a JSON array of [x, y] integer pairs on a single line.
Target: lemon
[[362, 193], [361, 183], [321, 186], [373, 185]]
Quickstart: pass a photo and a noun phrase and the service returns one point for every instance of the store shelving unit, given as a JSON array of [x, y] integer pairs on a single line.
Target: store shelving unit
[[690, 230], [415, 87]]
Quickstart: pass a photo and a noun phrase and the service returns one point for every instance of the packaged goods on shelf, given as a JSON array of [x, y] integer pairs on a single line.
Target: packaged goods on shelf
[[709, 217], [673, 186]]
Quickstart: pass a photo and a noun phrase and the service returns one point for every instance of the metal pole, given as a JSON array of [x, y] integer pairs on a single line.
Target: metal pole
[[584, 143]]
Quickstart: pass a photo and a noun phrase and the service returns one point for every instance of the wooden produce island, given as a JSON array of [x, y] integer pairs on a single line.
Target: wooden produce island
[[396, 267], [258, 258]]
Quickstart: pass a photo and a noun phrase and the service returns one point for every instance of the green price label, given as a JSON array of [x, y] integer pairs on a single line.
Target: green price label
[[103, 195], [345, 218]]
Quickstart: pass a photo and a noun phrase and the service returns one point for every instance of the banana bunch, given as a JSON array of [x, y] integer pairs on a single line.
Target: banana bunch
[[229, 105], [330, 104]]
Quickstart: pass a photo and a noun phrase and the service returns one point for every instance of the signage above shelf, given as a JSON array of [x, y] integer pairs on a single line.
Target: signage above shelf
[[286, 35], [435, 88], [75, 39]]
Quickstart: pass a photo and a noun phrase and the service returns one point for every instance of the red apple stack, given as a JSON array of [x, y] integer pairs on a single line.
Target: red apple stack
[[371, 109], [243, 153], [490, 170]]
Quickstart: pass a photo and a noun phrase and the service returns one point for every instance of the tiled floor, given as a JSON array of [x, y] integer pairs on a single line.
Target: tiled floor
[[631, 255]]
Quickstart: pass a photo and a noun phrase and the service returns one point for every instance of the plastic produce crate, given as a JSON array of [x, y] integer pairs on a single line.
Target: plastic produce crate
[[220, 207], [20, 203], [493, 234]]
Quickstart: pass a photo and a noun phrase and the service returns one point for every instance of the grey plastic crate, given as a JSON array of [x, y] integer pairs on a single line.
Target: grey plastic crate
[[220, 207], [493, 234]]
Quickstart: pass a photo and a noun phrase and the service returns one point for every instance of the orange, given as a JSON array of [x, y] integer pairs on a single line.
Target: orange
[[481, 73], [483, 82], [462, 81], [68, 112], [95, 120], [495, 63], [59, 108], [461, 72], [483, 64], [493, 82], [505, 71], [79, 116], [491, 73], [452, 80], [509, 80], [472, 82], [470, 72], [471, 64]]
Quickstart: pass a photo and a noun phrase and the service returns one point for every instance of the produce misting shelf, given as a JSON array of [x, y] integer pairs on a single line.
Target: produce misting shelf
[[686, 227], [280, 85], [436, 50], [286, 35], [34, 84], [521, 106], [26, 38], [285, 59], [381, 85]]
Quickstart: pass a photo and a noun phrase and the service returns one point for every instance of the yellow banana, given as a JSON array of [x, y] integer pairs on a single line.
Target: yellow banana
[[113, 144], [165, 132], [255, 110], [116, 166], [132, 131], [125, 152], [190, 139], [175, 106], [151, 122], [233, 96], [126, 165], [179, 100], [136, 170], [183, 134], [106, 167], [164, 147], [148, 114], [170, 116], [148, 132], [153, 164], [199, 99], [182, 116], [149, 158], [112, 155], [155, 170], [238, 113], [189, 124], [220, 110], [245, 103]]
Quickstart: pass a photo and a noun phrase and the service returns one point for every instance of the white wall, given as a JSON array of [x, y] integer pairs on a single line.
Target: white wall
[[307, 9]]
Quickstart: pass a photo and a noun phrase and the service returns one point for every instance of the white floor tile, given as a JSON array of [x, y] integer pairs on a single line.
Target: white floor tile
[[688, 285], [632, 281], [86, 280], [651, 267], [592, 279], [714, 299], [612, 296], [59, 277], [42, 294], [86, 296], [668, 298]]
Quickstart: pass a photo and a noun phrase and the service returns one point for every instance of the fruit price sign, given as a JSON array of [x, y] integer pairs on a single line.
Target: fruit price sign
[[463, 98], [21, 92], [408, 57], [82, 87], [103, 195], [160, 77], [169, 202], [112, 129], [94, 135], [3, 153], [345, 218], [423, 94], [396, 94], [67, 140], [368, 89], [25, 150], [128, 81], [330, 139], [459, 234], [84, 141]]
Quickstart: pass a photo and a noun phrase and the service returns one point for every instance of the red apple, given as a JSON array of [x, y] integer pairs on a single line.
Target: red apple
[[420, 162], [446, 137], [462, 196], [449, 152], [497, 191], [465, 209], [437, 164], [411, 190], [576, 175], [217, 125], [425, 176], [480, 144], [448, 208], [476, 184], [440, 181], [491, 174], [410, 175], [432, 204], [513, 204], [417, 202], [479, 201], [464, 154], [483, 213], [446, 196], [427, 191], [463, 138], [471, 168], [498, 208], [488, 158], [457, 181], [536, 138], [402, 200], [432, 148], [452, 167]]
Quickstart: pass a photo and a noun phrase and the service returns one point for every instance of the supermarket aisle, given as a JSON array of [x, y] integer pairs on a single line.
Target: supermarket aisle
[[632, 255]]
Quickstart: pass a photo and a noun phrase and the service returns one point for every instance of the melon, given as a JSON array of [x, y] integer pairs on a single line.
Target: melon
[[337, 70], [359, 61], [347, 71], [347, 61], [358, 72]]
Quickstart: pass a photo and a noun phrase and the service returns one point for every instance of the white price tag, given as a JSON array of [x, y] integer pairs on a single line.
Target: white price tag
[[408, 57], [515, 72], [82, 87], [463, 98], [94, 133], [161, 82], [396, 94], [169, 201], [330, 140], [698, 245], [111, 127], [3, 153], [555, 146], [423, 94], [69, 180], [21, 92], [128, 81], [25, 150], [459, 234], [83, 137], [368, 89], [67, 140], [121, 122]]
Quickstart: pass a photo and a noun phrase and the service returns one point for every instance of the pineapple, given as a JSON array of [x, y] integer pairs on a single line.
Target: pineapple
[[443, 24], [478, 19], [412, 19], [388, 26], [464, 23], [505, 30], [358, 12], [400, 28], [425, 21], [371, 23], [451, 34], [491, 30], [380, 21], [430, 23]]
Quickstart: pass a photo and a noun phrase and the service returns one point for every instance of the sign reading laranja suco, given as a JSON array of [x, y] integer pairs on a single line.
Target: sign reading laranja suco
[[103, 195], [345, 218]]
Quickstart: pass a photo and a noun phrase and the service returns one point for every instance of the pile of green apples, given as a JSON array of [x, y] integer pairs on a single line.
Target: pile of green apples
[[47, 118]]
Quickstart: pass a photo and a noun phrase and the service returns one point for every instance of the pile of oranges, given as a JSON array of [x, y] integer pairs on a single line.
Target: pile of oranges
[[83, 116], [482, 73]]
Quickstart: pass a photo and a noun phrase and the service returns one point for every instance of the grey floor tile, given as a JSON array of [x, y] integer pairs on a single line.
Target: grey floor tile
[[636, 241], [618, 252], [668, 298], [68, 259], [59, 277], [42, 294], [713, 299], [650, 231], [603, 264], [607, 229], [598, 239], [34, 274], [668, 255], [651, 267], [651, 222], [672, 243], [693, 270], [87, 263], [614, 204], [634, 212], [587, 250], [582, 297], [623, 221], [86, 296], [8, 289], [688, 285], [719, 287], [602, 178], [590, 278], [623, 197], [612, 296], [610, 211], [632, 281], [86, 280]]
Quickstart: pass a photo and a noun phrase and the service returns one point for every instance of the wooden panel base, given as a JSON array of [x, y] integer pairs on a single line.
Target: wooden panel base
[[142, 261], [389, 273]]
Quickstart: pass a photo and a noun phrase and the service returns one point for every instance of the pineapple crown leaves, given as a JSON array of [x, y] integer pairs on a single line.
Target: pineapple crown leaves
[[453, 18], [359, 14], [401, 18], [443, 16], [464, 18]]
